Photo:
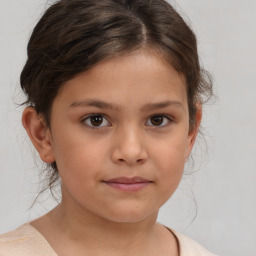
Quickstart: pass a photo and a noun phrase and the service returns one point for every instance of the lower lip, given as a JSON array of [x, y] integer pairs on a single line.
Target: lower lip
[[128, 187]]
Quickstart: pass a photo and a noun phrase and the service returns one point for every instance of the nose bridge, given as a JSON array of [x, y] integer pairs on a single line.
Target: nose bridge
[[130, 145]]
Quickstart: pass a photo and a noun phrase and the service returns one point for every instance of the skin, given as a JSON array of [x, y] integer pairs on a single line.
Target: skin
[[93, 215]]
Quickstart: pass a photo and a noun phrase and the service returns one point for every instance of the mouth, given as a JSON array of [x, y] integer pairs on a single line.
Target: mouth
[[128, 184]]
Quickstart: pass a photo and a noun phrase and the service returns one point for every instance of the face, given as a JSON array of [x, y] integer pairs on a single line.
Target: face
[[120, 136]]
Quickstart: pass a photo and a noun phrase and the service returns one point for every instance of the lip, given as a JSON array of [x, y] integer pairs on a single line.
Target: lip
[[128, 184]]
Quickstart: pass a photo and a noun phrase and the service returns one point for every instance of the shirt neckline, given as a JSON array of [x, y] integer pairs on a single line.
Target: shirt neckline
[[39, 234], [42, 238]]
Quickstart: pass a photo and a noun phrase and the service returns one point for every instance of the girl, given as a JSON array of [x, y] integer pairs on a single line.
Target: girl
[[114, 93]]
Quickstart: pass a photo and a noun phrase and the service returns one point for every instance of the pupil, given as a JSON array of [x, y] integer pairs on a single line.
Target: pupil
[[96, 120], [157, 120]]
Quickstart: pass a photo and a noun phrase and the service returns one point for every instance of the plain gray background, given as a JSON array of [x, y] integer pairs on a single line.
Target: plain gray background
[[222, 191]]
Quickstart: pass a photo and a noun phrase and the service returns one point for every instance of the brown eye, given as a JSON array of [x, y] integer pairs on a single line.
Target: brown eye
[[96, 121], [158, 120]]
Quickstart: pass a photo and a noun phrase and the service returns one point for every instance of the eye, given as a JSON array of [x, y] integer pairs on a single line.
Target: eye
[[158, 120], [96, 121]]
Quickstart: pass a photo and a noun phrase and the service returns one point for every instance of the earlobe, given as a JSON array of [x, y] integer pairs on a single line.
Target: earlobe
[[194, 130], [39, 134]]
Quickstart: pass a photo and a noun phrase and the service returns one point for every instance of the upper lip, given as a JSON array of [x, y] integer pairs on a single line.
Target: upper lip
[[127, 180]]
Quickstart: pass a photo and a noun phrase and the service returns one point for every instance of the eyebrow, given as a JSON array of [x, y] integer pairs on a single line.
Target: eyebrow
[[105, 105], [164, 104], [94, 103]]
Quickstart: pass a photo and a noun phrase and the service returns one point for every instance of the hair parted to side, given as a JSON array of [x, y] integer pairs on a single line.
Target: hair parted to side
[[75, 35]]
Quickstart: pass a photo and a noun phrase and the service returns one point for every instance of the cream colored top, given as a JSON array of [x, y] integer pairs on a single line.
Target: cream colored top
[[27, 241]]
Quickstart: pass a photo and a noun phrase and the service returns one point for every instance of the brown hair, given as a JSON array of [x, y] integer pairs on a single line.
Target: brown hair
[[74, 35]]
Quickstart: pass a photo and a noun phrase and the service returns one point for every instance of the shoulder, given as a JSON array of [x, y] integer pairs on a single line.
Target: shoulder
[[189, 247], [24, 241]]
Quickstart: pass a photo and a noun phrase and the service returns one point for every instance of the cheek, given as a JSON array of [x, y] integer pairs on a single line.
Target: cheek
[[171, 166], [79, 169], [78, 157], [170, 161]]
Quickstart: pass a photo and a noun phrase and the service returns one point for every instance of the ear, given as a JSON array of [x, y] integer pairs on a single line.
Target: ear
[[193, 131], [39, 134]]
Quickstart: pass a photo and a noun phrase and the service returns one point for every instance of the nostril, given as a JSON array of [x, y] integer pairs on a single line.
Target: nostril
[[129, 154], [138, 161]]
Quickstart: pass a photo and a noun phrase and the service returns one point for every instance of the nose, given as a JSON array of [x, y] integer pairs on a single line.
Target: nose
[[129, 148]]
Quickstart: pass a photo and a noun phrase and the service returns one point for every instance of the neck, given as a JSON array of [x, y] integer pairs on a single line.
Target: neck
[[84, 228]]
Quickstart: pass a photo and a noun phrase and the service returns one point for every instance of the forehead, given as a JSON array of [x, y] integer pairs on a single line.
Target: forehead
[[142, 76]]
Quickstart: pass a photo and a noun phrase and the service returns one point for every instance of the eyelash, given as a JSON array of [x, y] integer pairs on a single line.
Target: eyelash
[[164, 116], [94, 115]]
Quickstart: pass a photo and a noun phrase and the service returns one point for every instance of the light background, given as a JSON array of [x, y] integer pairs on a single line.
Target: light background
[[224, 187]]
